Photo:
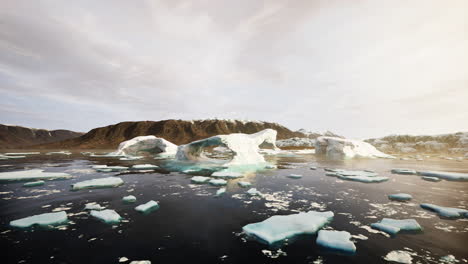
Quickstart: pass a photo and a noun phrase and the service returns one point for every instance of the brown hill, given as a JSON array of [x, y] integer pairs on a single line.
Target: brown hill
[[18, 137], [176, 131]]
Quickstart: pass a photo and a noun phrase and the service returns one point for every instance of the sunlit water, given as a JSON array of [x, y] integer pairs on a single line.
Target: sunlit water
[[192, 226]]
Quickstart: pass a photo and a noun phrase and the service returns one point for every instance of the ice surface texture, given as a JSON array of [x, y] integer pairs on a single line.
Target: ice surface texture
[[98, 183], [35, 174], [394, 226], [150, 144], [447, 212], [41, 220], [336, 240], [340, 148]]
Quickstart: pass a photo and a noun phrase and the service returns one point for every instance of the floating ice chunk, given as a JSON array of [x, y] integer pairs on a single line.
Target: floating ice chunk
[[140, 262], [144, 167], [394, 226], [220, 191], [294, 176], [105, 168], [280, 227], [447, 212], [364, 179], [399, 256], [123, 259], [336, 240], [107, 155], [244, 184], [149, 144], [270, 166], [34, 183], [35, 174], [227, 174], [450, 176], [313, 168], [131, 158], [448, 259], [400, 197], [5, 157], [217, 182], [94, 206], [358, 175], [339, 148], [41, 220], [63, 152], [147, 207], [432, 179], [21, 153], [199, 179], [254, 192], [404, 171], [98, 183], [108, 216], [129, 199]]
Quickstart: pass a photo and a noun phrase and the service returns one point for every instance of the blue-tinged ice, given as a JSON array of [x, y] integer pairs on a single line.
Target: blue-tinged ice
[[98, 183], [41, 220], [447, 212], [129, 199], [108, 216], [404, 171], [244, 184], [336, 240], [450, 176], [221, 191], [34, 183], [448, 259], [432, 179], [147, 207], [400, 197], [280, 227], [227, 174], [29, 175], [217, 182], [254, 192], [394, 226], [94, 206], [199, 179], [294, 176]]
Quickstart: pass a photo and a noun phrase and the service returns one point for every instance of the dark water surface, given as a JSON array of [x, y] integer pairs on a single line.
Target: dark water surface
[[192, 226]]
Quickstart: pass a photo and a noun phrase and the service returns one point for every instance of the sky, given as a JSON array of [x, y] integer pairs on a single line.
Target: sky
[[358, 68]]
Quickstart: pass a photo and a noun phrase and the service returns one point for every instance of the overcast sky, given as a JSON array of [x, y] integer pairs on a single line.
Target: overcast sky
[[358, 68]]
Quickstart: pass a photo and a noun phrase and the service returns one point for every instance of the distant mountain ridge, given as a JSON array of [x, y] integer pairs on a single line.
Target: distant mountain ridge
[[12, 136], [176, 131]]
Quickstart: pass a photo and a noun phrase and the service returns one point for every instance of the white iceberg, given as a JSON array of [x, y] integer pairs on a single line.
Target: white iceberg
[[199, 179], [394, 226], [404, 171], [280, 227], [340, 148], [147, 207], [244, 148], [144, 167], [400, 197], [399, 256], [217, 182], [244, 184], [254, 192], [220, 191], [450, 176], [108, 216], [35, 174], [41, 220], [447, 212], [94, 206], [129, 199], [98, 183], [336, 240], [149, 144], [34, 183]]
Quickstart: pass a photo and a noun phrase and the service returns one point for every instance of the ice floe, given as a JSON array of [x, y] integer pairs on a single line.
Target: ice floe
[[280, 227], [98, 183], [336, 240], [147, 207], [399, 256], [150, 144], [254, 192], [358, 175], [41, 220], [129, 199], [21, 153], [448, 259], [450, 176], [94, 206], [400, 197], [140, 262], [432, 179], [244, 184], [35, 174], [108, 216], [217, 182], [227, 174], [144, 167], [447, 212], [220, 191], [394, 226], [105, 168], [404, 171], [294, 176], [340, 148], [199, 179], [34, 183]]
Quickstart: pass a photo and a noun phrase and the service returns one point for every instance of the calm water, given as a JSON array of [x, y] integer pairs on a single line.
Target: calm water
[[192, 226]]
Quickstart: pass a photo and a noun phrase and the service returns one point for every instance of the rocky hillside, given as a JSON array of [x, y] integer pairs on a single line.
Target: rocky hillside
[[176, 131], [17, 136], [447, 143]]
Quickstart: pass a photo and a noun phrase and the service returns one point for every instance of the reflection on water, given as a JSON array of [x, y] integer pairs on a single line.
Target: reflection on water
[[193, 225]]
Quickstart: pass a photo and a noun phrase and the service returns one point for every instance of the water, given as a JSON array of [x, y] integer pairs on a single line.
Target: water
[[192, 226]]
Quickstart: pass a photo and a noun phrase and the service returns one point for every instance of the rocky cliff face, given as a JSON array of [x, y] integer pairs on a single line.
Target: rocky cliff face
[[176, 131], [17, 136]]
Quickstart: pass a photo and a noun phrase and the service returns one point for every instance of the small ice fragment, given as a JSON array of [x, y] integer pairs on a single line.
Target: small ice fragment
[[313, 168], [399, 256], [450, 176], [147, 207], [218, 182], [254, 192], [123, 259], [199, 179], [280, 227], [336, 240], [94, 206], [98, 183], [41, 220], [447, 212], [244, 184], [432, 179], [34, 183], [448, 259], [404, 171], [35, 174], [144, 167], [400, 197], [129, 199], [111, 169], [140, 262], [294, 176], [270, 166], [394, 226], [220, 191], [108, 216], [227, 174]]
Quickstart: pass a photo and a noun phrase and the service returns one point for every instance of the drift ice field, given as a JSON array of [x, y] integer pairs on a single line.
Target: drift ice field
[[234, 198]]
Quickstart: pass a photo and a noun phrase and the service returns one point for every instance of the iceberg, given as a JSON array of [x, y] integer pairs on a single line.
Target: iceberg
[[98, 183], [244, 184], [34, 183], [129, 199], [450, 176], [35, 174], [244, 148], [221, 191], [399, 256], [336, 240], [447, 212], [144, 167], [400, 197], [280, 227], [340, 148], [147, 207], [199, 179], [404, 171], [148, 144], [294, 176], [432, 179], [394, 226], [108, 216], [217, 182], [41, 220], [254, 192]]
